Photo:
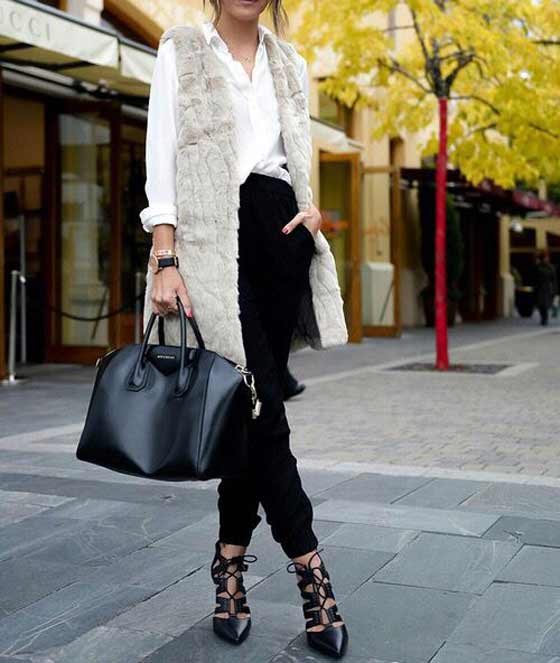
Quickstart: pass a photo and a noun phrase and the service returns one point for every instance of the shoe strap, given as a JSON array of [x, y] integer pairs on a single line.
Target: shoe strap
[[316, 598], [222, 570], [224, 605]]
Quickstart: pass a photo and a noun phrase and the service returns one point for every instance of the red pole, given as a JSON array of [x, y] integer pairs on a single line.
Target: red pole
[[442, 356]]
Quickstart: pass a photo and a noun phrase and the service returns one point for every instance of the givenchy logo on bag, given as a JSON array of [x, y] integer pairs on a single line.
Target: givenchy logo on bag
[[165, 357]]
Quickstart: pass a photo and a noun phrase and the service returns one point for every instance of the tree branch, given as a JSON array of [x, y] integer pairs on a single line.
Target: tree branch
[[396, 68]]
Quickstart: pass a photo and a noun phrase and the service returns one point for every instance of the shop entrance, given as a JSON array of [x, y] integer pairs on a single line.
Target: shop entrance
[[73, 187], [83, 209], [22, 211], [96, 243], [340, 210]]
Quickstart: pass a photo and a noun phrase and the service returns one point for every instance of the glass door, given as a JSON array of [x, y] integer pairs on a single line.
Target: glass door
[[340, 209], [84, 228]]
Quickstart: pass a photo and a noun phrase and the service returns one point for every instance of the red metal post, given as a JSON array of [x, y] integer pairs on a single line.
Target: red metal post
[[442, 355]]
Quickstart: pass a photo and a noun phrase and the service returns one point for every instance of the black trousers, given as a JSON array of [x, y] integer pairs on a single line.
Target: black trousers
[[273, 274]]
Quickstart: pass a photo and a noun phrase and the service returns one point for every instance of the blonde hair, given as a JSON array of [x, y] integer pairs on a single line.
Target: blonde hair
[[277, 11]]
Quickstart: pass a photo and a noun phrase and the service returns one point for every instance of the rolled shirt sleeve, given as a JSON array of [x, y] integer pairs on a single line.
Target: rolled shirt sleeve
[[161, 142]]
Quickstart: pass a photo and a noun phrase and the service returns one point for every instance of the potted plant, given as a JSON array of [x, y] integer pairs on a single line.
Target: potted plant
[[455, 254]]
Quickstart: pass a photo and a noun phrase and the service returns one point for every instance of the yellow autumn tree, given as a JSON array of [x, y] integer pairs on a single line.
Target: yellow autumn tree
[[488, 69]]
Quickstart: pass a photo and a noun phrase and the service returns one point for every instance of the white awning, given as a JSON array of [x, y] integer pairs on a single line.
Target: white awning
[[137, 63], [33, 35], [331, 139]]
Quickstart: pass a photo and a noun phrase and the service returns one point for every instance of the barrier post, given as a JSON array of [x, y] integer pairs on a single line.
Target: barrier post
[[13, 327], [23, 293]]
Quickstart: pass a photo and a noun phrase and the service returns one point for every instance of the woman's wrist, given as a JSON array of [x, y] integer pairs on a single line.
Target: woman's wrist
[[163, 238]]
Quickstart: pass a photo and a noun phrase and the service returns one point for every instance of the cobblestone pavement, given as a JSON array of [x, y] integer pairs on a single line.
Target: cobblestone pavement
[[435, 498], [355, 410]]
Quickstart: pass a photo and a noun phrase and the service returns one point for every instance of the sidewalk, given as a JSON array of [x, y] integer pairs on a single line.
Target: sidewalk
[[433, 558]]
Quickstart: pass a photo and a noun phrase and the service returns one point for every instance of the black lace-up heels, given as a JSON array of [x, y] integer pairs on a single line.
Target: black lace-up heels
[[232, 620], [324, 627]]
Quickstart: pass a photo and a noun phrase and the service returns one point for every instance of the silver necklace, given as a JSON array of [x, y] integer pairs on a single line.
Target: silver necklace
[[241, 58]]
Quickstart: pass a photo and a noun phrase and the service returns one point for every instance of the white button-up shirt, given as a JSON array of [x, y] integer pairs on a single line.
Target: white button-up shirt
[[260, 145]]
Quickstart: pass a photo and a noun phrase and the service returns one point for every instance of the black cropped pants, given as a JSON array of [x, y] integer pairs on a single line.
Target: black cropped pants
[[273, 275]]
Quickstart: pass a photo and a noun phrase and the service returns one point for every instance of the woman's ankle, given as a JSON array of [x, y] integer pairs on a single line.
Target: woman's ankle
[[230, 550], [310, 559]]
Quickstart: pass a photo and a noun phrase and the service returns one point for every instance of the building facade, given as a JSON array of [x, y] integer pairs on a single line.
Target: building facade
[[74, 83]]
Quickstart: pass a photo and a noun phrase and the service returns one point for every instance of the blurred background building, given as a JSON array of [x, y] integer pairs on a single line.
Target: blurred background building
[[74, 83]]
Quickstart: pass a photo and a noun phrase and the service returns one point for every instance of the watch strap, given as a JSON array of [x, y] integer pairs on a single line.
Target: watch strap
[[168, 262]]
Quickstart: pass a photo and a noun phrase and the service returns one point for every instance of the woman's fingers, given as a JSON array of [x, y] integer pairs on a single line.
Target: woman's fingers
[[298, 218], [167, 286], [185, 301]]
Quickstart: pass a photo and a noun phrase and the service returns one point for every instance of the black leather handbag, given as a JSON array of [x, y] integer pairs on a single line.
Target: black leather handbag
[[168, 412]]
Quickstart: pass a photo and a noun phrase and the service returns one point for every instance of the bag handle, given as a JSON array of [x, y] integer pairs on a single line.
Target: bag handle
[[138, 377], [192, 321]]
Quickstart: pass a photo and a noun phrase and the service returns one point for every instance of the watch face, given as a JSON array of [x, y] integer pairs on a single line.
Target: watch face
[[153, 264]]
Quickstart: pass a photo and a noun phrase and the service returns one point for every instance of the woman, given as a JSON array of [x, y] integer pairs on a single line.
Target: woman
[[237, 239]]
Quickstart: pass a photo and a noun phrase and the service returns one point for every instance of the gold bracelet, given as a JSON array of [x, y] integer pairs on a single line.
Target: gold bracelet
[[164, 253]]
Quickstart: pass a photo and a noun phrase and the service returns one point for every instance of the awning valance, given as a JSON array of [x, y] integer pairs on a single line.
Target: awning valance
[[34, 35], [332, 139]]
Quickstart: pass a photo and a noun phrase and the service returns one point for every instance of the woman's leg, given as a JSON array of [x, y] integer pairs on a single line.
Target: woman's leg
[[273, 276]]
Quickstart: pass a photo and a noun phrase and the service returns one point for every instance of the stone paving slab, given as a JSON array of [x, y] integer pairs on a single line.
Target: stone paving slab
[[121, 646], [299, 651], [370, 537], [24, 581], [526, 530], [534, 565], [32, 534], [349, 568], [374, 488], [432, 520], [406, 624], [13, 512], [150, 567], [200, 645], [64, 615], [463, 564], [442, 493], [466, 654], [509, 616], [176, 608], [517, 500]]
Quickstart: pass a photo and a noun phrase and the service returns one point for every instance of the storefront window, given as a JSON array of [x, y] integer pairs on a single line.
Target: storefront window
[[340, 211], [335, 211], [85, 147], [331, 110]]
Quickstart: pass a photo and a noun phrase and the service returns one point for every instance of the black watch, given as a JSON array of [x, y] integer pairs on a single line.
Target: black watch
[[157, 264]]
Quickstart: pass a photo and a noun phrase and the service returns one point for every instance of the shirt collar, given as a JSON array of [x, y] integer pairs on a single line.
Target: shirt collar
[[213, 36]]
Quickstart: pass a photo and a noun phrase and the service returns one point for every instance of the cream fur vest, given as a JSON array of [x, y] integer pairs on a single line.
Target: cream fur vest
[[206, 237]]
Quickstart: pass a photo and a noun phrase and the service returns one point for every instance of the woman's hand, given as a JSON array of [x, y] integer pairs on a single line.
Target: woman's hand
[[167, 285], [311, 218]]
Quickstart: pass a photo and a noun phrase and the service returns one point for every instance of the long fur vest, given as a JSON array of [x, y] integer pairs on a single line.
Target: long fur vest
[[206, 237]]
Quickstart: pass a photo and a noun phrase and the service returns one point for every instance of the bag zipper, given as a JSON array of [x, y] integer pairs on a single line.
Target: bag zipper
[[249, 380], [99, 359]]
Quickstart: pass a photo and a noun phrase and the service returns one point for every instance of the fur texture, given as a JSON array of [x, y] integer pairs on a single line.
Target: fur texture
[[206, 237]]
